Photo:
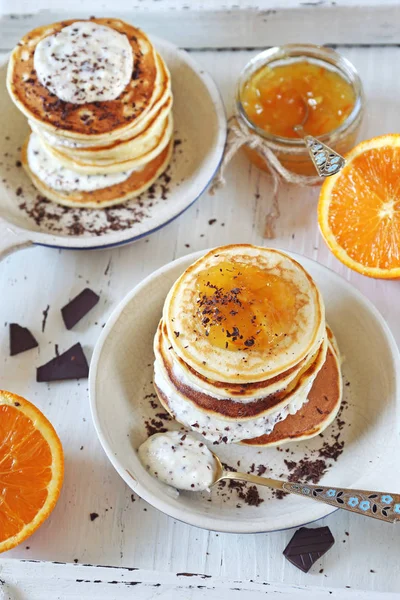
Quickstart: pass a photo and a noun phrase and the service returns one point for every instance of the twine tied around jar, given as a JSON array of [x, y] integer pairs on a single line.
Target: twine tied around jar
[[240, 135]]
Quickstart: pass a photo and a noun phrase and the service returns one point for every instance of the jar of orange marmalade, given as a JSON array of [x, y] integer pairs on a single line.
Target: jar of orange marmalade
[[298, 84]]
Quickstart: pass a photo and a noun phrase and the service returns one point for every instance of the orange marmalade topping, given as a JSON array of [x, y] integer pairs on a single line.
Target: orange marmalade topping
[[241, 307], [274, 99]]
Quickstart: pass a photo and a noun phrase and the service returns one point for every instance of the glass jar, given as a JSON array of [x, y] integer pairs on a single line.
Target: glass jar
[[292, 152]]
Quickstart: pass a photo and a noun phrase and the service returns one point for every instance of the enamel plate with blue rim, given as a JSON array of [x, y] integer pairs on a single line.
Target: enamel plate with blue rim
[[199, 134]]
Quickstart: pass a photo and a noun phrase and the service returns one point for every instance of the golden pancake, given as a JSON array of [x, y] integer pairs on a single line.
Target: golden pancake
[[135, 184], [84, 121], [163, 100], [104, 166], [316, 415], [243, 314], [122, 150], [181, 391], [281, 383]]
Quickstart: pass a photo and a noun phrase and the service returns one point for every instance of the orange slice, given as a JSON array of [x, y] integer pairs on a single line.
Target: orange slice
[[31, 469], [359, 209]]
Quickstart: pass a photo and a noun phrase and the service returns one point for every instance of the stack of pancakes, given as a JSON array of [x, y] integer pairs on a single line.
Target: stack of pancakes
[[85, 152], [243, 353]]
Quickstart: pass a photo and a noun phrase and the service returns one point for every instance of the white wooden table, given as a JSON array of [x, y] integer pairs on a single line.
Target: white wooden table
[[128, 532]]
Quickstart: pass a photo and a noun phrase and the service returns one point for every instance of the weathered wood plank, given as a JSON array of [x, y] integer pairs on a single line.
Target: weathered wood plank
[[44, 580], [231, 25], [128, 533]]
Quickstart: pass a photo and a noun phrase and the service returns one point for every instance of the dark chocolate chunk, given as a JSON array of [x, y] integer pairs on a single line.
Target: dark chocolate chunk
[[75, 310], [72, 364], [21, 339], [307, 546]]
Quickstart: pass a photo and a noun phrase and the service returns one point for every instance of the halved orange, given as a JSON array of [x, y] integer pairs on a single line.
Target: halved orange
[[359, 209], [31, 469]]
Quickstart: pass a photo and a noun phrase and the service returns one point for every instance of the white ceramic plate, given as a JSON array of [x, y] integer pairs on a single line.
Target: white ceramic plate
[[200, 132], [121, 402]]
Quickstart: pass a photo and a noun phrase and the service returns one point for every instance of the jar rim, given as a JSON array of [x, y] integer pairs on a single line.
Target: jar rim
[[289, 51]]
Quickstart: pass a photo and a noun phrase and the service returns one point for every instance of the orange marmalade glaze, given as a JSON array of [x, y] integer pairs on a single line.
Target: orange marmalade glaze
[[242, 307], [274, 97]]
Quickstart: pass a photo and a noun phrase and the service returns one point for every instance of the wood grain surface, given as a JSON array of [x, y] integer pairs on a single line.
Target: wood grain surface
[[127, 532], [223, 23]]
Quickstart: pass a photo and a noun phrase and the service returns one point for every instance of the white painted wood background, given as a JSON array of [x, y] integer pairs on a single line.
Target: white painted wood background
[[45, 581], [128, 532], [225, 23]]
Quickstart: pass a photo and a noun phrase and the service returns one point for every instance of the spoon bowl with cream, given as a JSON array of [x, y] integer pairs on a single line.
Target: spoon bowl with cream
[[186, 463]]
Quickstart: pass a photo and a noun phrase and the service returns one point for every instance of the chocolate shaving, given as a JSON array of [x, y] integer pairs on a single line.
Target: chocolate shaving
[[45, 314], [306, 471], [75, 222]]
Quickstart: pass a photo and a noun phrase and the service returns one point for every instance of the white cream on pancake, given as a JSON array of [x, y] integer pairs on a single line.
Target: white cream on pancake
[[97, 121], [54, 140], [138, 182], [188, 318], [49, 170], [57, 139], [219, 430], [84, 62]]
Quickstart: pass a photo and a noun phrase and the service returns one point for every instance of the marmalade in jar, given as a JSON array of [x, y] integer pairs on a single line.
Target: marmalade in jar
[[276, 98]]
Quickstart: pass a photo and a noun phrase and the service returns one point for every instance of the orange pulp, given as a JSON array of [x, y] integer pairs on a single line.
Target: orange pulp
[[31, 469], [359, 210]]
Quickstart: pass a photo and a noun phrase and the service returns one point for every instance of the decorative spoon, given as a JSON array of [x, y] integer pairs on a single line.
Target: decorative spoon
[[326, 161], [379, 505]]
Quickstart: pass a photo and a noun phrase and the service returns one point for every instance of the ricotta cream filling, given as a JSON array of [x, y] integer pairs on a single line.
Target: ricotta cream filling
[[178, 459], [84, 62], [216, 429], [54, 140], [51, 172]]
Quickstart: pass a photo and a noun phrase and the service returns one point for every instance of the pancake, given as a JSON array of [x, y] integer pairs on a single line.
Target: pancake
[[111, 164], [311, 418], [122, 149], [226, 420], [134, 184], [162, 101], [231, 409], [316, 415], [243, 314], [94, 119], [245, 392], [222, 431]]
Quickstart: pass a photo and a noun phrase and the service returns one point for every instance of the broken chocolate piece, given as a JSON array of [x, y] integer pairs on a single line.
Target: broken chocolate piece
[[72, 364], [307, 546], [21, 339], [75, 310]]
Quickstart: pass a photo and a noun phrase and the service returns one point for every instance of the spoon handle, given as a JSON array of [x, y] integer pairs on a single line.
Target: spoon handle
[[378, 505], [326, 161]]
